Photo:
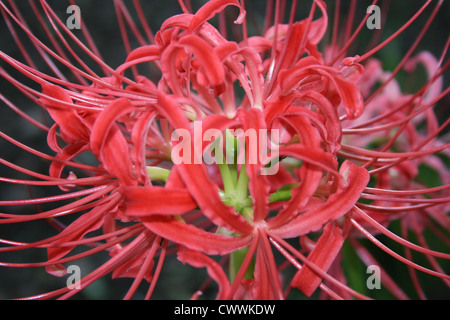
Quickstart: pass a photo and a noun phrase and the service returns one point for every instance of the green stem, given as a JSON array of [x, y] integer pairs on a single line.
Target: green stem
[[283, 194], [242, 184], [236, 194], [156, 173], [280, 195], [228, 183], [236, 259], [233, 173]]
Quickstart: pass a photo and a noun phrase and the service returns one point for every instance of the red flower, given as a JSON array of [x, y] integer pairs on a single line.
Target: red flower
[[238, 148]]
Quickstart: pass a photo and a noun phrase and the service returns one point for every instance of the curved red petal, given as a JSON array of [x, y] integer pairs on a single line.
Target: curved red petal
[[67, 153], [199, 260], [142, 202], [142, 52], [206, 194], [201, 187], [195, 238], [108, 143], [259, 188], [70, 123], [210, 9], [87, 222], [323, 255], [336, 206]]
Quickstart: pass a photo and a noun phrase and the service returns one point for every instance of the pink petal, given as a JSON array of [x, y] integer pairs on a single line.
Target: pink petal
[[323, 255], [313, 156], [316, 161], [108, 143], [142, 202], [259, 188], [215, 271], [351, 97], [318, 27], [132, 267], [219, 122], [301, 196], [267, 284], [210, 61], [336, 206], [144, 51], [332, 123], [106, 120], [86, 223], [210, 9], [67, 153], [206, 194], [139, 138], [70, 123], [193, 237], [347, 91], [195, 177]]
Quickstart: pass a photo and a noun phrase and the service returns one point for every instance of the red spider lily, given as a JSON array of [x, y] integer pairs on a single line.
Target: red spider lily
[[348, 155]]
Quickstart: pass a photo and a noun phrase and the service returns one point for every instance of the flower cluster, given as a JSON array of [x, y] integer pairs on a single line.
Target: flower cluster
[[348, 149]]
